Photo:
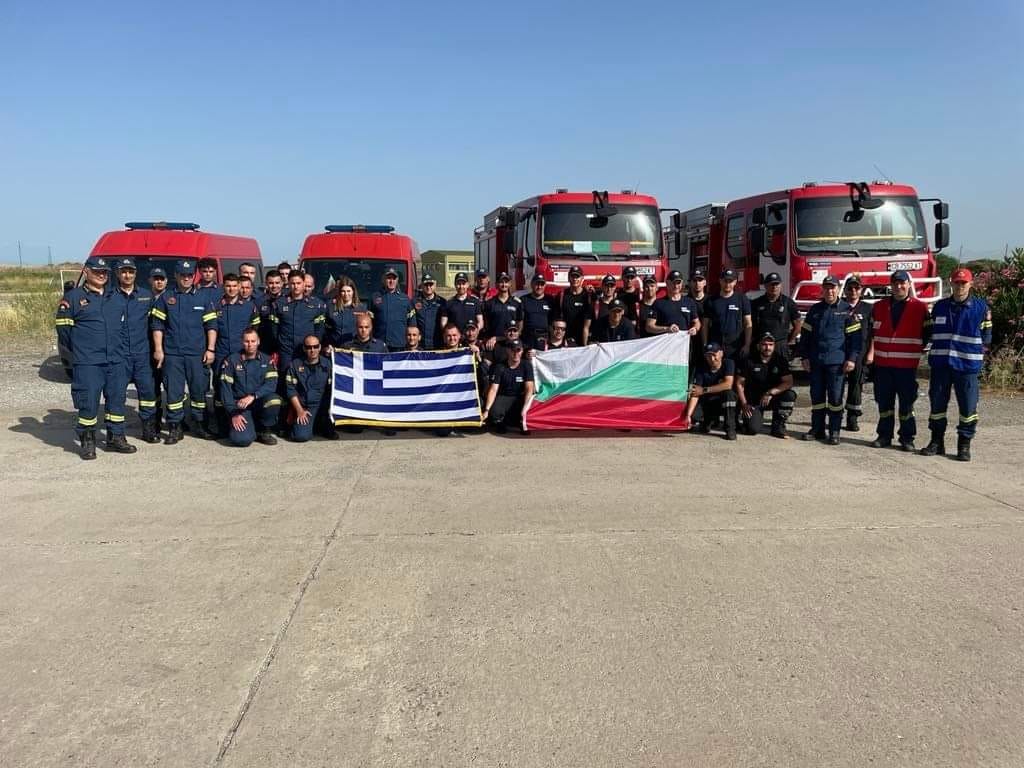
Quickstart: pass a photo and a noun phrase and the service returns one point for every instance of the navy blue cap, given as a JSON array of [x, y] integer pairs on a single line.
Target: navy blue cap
[[608, 280], [481, 273], [504, 276], [575, 272], [629, 272], [158, 272], [698, 274], [727, 274], [184, 267], [390, 271], [767, 335], [97, 263], [650, 280], [471, 323], [428, 278], [616, 304], [830, 280], [675, 274], [712, 346], [900, 275], [772, 277], [853, 280], [538, 278], [514, 344], [125, 262], [461, 276]]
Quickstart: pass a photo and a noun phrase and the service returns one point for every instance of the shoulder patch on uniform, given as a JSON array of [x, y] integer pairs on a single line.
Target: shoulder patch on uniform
[[172, 300], [64, 304], [82, 302], [302, 368]]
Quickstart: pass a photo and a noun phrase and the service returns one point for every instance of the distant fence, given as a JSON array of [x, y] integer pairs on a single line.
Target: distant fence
[[22, 254]]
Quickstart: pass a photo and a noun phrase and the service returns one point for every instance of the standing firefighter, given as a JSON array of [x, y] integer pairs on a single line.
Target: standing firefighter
[[861, 311], [830, 343], [900, 329], [90, 322], [961, 332], [137, 305]]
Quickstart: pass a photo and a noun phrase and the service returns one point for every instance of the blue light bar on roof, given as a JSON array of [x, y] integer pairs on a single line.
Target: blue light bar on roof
[[179, 225], [375, 228]]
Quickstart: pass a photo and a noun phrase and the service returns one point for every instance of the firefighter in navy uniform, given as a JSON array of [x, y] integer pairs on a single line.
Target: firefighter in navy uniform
[[138, 304], [90, 322], [614, 326], [393, 312], [830, 343], [157, 286], [206, 282], [539, 310], [248, 390], [184, 335], [295, 317], [266, 305], [711, 394], [775, 313], [961, 332], [675, 312], [429, 307], [234, 316], [900, 330], [729, 321], [861, 311], [308, 388], [463, 306], [501, 311]]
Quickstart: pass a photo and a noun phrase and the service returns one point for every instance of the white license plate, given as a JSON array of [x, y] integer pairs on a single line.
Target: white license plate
[[892, 266], [645, 270]]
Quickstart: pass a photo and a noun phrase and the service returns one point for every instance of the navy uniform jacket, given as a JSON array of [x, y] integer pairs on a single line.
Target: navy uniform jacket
[[428, 319], [309, 382], [393, 312], [184, 318], [232, 320], [92, 325], [240, 377], [296, 319], [136, 307], [341, 324], [211, 292], [831, 335]]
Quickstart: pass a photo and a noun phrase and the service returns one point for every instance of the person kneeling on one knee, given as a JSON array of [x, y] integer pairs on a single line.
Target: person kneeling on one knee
[[711, 395], [510, 387], [248, 390], [765, 384], [308, 387]]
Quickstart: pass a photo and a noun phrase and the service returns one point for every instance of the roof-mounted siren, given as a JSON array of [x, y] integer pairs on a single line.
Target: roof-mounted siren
[[368, 228], [561, 190], [180, 226], [626, 192], [860, 201]]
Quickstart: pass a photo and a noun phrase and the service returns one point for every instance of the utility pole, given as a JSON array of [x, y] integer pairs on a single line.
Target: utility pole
[[49, 255], [20, 263]]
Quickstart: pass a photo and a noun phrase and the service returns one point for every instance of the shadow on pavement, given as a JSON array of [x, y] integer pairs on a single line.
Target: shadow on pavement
[[57, 428]]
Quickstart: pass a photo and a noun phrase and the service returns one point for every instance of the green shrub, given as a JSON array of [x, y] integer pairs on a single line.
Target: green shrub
[[28, 315]]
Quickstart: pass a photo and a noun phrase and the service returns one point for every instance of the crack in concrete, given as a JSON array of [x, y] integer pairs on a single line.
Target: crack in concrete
[[268, 659]]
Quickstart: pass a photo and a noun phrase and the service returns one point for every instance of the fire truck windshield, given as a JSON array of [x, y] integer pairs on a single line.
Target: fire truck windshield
[[367, 274], [828, 224], [571, 230]]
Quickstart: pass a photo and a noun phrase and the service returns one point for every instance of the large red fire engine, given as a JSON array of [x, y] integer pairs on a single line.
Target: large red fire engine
[[548, 234], [806, 233]]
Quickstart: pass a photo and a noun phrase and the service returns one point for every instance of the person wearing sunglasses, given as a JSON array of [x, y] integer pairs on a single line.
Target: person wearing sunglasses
[[308, 388]]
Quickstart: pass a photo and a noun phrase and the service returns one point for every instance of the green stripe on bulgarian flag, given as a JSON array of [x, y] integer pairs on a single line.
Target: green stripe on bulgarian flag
[[626, 384]]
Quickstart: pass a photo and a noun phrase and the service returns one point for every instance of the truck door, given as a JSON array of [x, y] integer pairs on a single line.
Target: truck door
[[775, 258]]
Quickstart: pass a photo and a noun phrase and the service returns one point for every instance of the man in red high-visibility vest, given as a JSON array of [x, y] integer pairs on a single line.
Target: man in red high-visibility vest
[[900, 327]]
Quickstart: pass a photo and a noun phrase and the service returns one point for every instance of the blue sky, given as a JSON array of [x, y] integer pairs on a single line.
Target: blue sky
[[273, 119]]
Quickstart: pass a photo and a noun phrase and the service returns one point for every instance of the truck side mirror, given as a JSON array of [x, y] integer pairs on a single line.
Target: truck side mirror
[[531, 260], [508, 241], [941, 211], [682, 243], [757, 216], [941, 234], [679, 221], [756, 238]]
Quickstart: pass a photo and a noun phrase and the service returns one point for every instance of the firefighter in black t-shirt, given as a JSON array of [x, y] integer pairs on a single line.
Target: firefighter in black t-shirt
[[511, 386], [574, 308], [711, 395], [765, 384]]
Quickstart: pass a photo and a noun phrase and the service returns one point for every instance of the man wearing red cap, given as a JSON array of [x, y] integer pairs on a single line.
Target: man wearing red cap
[[961, 332]]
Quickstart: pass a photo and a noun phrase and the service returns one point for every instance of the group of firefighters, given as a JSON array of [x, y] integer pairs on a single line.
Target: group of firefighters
[[268, 347]]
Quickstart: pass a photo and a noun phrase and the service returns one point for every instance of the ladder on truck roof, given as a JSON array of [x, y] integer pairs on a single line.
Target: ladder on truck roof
[[697, 222]]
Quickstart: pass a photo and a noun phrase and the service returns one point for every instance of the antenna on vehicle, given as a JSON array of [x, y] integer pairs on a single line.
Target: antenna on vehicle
[[884, 174]]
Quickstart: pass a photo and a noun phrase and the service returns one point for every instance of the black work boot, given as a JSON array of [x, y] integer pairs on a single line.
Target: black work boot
[[963, 449], [730, 429], [173, 433], [936, 446], [812, 435], [118, 444], [199, 430], [266, 438], [150, 433], [907, 446], [88, 451], [833, 438], [852, 420], [881, 442]]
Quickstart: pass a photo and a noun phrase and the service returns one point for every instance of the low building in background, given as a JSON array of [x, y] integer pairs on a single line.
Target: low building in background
[[444, 265]]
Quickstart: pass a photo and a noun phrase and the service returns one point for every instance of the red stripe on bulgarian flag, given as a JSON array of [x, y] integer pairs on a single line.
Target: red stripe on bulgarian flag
[[602, 412]]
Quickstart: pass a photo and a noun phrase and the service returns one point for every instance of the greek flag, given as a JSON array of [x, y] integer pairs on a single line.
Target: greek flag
[[405, 389]]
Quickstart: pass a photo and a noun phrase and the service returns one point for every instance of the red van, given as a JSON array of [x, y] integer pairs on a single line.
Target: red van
[[361, 252]]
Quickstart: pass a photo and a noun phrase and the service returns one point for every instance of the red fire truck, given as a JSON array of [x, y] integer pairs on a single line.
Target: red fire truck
[[806, 233], [548, 234], [362, 252]]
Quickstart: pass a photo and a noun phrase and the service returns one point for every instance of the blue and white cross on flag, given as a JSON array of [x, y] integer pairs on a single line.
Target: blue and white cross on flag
[[405, 389]]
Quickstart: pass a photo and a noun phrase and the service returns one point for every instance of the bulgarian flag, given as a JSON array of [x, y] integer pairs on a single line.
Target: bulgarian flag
[[639, 384]]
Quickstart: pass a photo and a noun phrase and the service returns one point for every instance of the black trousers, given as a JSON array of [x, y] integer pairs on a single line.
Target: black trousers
[[780, 406], [507, 411], [720, 404], [854, 388]]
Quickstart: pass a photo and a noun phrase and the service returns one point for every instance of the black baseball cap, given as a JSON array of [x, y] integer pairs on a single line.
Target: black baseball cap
[[608, 280], [629, 272], [675, 274], [514, 344], [712, 346], [767, 335], [727, 274], [158, 272], [772, 278], [481, 273], [650, 280], [461, 276], [538, 278], [698, 274], [390, 271], [616, 304], [184, 267], [830, 280], [125, 262], [853, 280], [575, 272], [504, 276], [428, 278], [97, 263]]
